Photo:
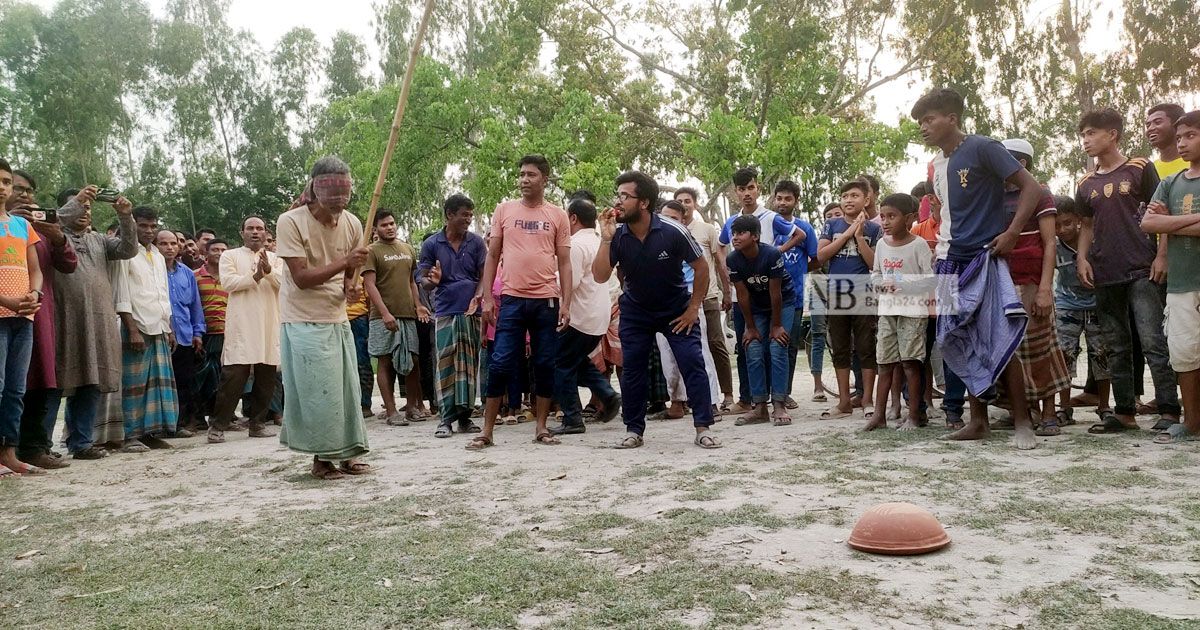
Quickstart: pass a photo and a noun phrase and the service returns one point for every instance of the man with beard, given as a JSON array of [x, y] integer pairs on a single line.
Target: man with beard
[[649, 252]]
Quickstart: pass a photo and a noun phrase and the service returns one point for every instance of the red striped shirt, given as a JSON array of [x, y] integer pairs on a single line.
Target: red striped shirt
[[213, 299]]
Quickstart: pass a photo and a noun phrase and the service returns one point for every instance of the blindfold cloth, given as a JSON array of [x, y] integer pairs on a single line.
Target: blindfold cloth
[[332, 190]]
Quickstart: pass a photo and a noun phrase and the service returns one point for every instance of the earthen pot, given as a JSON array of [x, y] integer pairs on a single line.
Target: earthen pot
[[898, 529]]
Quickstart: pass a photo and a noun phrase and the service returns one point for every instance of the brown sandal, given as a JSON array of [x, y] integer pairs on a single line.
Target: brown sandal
[[546, 439], [355, 468], [326, 471], [479, 442]]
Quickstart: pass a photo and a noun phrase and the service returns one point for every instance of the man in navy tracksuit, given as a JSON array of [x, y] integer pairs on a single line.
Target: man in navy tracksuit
[[650, 251]]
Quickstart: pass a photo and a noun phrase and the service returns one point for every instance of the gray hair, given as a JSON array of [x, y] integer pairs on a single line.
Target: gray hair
[[329, 165]]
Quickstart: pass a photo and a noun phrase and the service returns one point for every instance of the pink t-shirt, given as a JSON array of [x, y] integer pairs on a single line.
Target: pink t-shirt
[[531, 238]]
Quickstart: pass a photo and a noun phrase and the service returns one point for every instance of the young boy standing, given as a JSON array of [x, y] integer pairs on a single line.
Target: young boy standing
[[1173, 212], [20, 298], [903, 265], [1125, 267], [848, 245], [1075, 313], [766, 299]]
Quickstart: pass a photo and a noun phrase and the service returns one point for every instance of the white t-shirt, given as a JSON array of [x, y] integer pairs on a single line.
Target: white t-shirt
[[590, 305], [910, 267]]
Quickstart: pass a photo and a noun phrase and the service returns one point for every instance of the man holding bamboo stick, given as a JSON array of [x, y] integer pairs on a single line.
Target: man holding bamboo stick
[[320, 243]]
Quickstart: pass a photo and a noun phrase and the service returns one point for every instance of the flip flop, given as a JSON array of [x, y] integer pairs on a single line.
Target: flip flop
[[833, 413], [328, 474], [1164, 423], [510, 420], [355, 468], [1065, 417], [1048, 428], [790, 403], [704, 440], [1176, 434], [781, 419], [479, 442], [751, 419], [546, 439], [7, 473], [821, 397], [1146, 409], [1110, 424], [631, 440], [443, 431]]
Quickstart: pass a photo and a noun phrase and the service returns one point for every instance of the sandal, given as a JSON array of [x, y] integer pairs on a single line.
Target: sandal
[[790, 403], [7, 473], [134, 446], [631, 440], [1110, 424], [510, 420], [1065, 417], [1146, 409], [547, 439], [1048, 428], [29, 469], [704, 440], [833, 413], [355, 468], [466, 426], [1176, 434], [781, 419], [1164, 423], [724, 408], [443, 431], [954, 423], [820, 397], [751, 419], [325, 471], [479, 442]]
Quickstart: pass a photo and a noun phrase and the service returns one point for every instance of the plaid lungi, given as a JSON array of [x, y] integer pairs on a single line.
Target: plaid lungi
[[1041, 359], [457, 344], [148, 397]]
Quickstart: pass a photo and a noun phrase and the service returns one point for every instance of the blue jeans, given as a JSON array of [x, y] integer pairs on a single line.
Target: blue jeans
[[16, 348], [537, 317], [572, 370], [764, 352], [796, 342], [360, 326], [816, 357], [637, 338], [739, 328], [82, 408]]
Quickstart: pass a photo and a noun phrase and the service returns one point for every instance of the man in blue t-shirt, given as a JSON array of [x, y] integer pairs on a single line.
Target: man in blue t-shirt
[[648, 251], [766, 299], [969, 177], [773, 229], [848, 245], [797, 260]]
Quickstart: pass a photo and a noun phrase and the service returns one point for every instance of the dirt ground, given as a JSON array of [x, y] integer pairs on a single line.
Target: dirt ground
[[1102, 531]]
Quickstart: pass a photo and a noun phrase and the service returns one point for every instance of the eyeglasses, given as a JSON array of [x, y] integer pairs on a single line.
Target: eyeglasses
[[622, 197], [23, 190]]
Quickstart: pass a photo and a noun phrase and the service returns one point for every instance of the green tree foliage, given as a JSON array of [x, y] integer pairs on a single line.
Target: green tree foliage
[[199, 119]]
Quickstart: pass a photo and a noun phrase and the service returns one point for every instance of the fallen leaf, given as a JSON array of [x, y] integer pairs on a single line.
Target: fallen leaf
[[19, 530], [385, 583], [499, 499], [560, 477], [267, 587], [428, 514], [741, 541], [742, 588], [599, 551], [630, 571], [29, 554]]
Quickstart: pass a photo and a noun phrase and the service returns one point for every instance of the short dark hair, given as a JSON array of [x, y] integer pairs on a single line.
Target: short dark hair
[[674, 205], [743, 176], [65, 195], [114, 226], [686, 190], [1191, 119], [217, 241], [941, 100], [830, 206], [214, 232], [583, 193], [1018, 156], [243, 226], [457, 202], [855, 184], [584, 210], [904, 202], [539, 161], [145, 213], [1106, 119], [1065, 204], [745, 223], [787, 185], [644, 185], [381, 214], [5, 166], [1172, 111], [871, 180], [26, 176], [921, 189]]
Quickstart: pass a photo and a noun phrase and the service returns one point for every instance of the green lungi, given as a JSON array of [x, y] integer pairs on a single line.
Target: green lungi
[[322, 416], [456, 339]]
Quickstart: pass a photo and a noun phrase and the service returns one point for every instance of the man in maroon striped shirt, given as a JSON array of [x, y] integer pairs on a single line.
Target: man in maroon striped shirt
[[214, 300]]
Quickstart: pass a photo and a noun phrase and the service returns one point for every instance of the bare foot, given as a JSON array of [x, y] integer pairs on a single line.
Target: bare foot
[[909, 425], [874, 422], [1024, 437], [974, 430]]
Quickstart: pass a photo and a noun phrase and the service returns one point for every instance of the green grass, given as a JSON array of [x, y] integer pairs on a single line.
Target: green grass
[[1115, 519], [1073, 605]]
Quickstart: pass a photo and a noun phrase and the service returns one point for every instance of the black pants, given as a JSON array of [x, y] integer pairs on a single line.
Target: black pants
[[233, 382], [183, 360], [35, 436]]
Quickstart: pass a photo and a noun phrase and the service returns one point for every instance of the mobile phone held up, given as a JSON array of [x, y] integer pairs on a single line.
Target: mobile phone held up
[[45, 215], [107, 195]]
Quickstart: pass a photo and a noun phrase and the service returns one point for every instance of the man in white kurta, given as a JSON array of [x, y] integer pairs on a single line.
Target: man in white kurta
[[251, 275]]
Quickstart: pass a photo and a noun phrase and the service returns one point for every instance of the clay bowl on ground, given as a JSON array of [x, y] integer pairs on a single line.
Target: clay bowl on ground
[[898, 529]]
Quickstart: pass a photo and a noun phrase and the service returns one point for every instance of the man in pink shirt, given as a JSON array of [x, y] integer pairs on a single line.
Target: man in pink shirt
[[533, 238]]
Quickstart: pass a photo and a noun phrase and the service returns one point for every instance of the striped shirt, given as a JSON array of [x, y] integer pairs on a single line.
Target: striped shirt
[[213, 299]]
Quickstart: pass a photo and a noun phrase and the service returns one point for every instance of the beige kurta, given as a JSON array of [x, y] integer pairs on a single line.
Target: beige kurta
[[252, 316]]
